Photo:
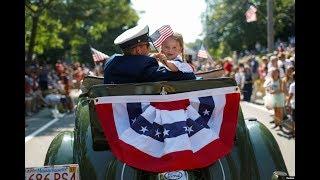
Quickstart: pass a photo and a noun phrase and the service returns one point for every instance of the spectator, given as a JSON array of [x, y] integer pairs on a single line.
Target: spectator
[[43, 78], [289, 61], [281, 61], [189, 61], [288, 79], [67, 87], [239, 76], [275, 96], [78, 75], [263, 68], [281, 47], [247, 88], [28, 94], [54, 99], [227, 66], [53, 80], [274, 63], [291, 103], [59, 68], [254, 65]]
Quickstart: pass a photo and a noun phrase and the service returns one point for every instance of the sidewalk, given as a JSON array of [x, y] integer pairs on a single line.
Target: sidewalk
[[286, 123], [258, 102]]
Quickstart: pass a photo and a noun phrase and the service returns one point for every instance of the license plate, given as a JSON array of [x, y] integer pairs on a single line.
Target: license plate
[[56, 172]]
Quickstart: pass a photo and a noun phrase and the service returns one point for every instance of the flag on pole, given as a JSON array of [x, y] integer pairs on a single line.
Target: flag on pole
[[160, 35], [251, 14], [161, 133], [202, 53], [97, 55]]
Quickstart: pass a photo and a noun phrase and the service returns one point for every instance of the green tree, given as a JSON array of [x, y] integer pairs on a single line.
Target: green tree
[[76, 24], [226, 29], [34, 10], [195, 45]]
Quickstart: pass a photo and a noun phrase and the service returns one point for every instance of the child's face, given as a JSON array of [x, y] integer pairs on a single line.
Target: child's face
[[171, 48], [275, 74]]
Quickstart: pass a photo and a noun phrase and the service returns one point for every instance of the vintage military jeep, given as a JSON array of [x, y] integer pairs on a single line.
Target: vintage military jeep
[[255, 154]]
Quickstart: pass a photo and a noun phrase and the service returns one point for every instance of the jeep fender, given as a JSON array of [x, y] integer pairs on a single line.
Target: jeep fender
[[265, 152], [61, 149]]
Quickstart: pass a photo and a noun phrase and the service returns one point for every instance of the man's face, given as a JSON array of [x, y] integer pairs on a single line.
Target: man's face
[[141, 49]]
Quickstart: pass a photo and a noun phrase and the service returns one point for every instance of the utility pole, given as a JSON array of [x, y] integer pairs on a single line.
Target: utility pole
[[270, 26]]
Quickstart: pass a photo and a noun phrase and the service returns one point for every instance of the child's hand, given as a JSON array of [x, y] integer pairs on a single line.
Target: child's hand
[[160, 57]]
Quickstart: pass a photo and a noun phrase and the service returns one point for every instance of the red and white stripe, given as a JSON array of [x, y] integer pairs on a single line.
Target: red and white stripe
[[165, 31], [202, 54], [97, 55], [181, 152]]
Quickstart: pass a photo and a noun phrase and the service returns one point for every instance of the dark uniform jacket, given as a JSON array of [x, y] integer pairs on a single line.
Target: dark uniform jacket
[[134, 69]]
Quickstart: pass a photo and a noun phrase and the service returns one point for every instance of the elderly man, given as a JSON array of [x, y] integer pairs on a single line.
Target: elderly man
[[135, 65]]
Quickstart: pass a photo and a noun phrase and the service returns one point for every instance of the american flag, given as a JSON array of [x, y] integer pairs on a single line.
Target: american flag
[[202, 53], [161, 133], [97, 55], [251, 14], [160, 35]]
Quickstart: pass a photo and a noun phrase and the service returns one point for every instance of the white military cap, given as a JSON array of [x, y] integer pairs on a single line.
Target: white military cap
[[133, 36]]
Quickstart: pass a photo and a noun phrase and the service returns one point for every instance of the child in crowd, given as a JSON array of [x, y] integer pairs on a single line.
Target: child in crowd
[[172, 55], [240, 75], [275, 96]]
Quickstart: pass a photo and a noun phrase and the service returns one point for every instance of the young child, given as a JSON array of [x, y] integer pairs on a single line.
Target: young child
[[275, 95], [171, 54]]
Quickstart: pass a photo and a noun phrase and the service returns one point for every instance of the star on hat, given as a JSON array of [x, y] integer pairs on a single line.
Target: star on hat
[[133, 36]]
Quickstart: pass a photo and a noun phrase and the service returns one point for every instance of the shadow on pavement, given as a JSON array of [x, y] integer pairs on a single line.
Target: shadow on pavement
[[288, 136], [64, 123], [45, 115]]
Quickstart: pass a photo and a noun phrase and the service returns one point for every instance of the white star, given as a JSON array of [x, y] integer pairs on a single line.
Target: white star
[[189, 129], [157, 133], [185, 128], [144, 129], [206, 112], [165, 132], [134, 120]]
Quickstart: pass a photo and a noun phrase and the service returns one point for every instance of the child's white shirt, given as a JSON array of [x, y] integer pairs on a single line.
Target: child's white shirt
[[181, 65]]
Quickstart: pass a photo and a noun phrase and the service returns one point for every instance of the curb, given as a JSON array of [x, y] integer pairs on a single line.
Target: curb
[[258, 106]]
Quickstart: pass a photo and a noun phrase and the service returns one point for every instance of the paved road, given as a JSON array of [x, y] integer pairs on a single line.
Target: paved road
[[37, 146], [42, 128]]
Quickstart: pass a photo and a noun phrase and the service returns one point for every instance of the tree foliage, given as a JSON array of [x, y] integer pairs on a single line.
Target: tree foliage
[[226, 29], [68, 27]]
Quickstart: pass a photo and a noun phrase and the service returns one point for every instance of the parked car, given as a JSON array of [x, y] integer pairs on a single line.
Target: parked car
[[255, 154]]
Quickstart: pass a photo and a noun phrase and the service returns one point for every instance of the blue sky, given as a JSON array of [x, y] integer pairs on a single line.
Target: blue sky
[[184, 16]]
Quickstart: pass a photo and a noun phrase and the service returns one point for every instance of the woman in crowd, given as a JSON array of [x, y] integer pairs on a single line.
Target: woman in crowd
[[275, 96]]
